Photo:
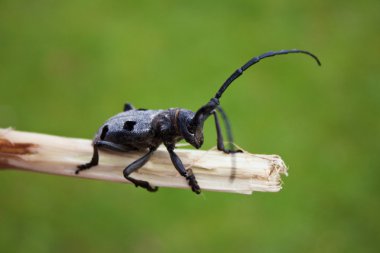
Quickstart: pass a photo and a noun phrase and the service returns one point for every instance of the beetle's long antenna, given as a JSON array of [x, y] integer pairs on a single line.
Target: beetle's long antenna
[[230, 140], [255, 60], [204, 112], [227, 125]]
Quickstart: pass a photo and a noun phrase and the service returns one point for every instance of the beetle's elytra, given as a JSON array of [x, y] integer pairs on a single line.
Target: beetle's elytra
[[140, 129]]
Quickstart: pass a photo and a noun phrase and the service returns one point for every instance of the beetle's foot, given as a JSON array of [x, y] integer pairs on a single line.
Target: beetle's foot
[[193, 182], [227, 151], [143, 184], [147, 186], [85, 166]]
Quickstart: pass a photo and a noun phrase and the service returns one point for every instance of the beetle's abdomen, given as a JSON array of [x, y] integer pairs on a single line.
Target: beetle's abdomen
[[132, 129]]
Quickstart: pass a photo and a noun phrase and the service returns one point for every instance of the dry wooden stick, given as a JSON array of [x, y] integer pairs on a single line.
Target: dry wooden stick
[[60, 155]]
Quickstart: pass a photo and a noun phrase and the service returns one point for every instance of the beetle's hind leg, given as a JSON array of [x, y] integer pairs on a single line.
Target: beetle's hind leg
[[94, 161], [135, 166], [95, 157], [127, 107], [188, 174]]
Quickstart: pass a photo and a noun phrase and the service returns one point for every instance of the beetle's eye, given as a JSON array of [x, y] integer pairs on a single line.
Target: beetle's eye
[[129, 125], [104, 132]]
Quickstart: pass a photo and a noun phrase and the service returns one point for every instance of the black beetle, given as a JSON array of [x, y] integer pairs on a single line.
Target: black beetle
[[141, 129]]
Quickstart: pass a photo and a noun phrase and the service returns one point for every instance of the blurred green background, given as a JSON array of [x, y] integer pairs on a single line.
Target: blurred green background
[[66, 66]]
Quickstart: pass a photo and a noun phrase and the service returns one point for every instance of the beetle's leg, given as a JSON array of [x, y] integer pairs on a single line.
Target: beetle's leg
[[94, 161], [188, 174], [127, 107], [219, 136], [135, 166], [95, 157]]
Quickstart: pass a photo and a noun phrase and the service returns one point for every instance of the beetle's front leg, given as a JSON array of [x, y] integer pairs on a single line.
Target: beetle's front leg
[[188, 174]]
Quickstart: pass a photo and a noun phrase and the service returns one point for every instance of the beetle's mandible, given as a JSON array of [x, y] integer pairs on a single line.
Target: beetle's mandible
[[140, 129]]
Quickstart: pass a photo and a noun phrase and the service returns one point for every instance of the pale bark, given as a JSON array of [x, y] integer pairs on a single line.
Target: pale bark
[[213, 169]]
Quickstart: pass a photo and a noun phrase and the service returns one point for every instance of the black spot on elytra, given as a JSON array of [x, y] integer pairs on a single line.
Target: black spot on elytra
[[104, 132], [129, 125]]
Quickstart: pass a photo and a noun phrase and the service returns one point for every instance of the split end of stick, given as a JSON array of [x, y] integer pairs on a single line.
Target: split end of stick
[[61, 156]]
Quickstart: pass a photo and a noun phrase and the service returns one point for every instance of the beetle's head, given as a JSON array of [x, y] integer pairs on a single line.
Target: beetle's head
[[197, 141], [192, 133], [195, 124]]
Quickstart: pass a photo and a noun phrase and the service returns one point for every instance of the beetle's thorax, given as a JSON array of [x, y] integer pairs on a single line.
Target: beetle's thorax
[[167, 125]]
